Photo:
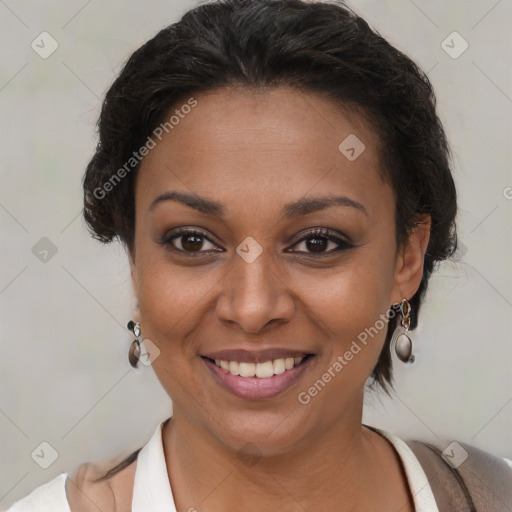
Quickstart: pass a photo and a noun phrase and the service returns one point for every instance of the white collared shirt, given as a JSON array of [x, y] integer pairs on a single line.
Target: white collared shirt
[[152, 490]]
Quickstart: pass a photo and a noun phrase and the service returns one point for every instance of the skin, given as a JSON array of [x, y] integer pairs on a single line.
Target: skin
[[254, 152]]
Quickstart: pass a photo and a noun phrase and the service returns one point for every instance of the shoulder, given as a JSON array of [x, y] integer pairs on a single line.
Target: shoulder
[[465, 457], [48, 497], [85, 493], [460, 468]]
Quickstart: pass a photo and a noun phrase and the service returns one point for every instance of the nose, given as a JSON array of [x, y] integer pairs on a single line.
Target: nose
[[255, 295]]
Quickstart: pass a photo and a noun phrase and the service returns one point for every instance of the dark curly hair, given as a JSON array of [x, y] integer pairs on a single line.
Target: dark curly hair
[[317, 47]]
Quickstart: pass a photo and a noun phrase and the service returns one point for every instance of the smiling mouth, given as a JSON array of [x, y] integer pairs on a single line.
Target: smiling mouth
[[263, 370], [258, 380]]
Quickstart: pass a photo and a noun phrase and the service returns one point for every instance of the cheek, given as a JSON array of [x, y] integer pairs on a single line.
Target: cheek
[[358, 292], [353, 314], [174, 302], [352, 304], [171, 304], [168, 295]]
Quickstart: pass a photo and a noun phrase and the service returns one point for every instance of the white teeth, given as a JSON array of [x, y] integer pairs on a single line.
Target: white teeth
[[260, 370], [233, 367], [246, 369], [278, 366], [264, 370]]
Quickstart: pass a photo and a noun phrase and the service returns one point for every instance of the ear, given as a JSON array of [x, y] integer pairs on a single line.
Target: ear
[[133, 273], [409, 262]]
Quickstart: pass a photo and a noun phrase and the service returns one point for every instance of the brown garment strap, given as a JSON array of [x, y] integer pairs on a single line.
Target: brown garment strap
[[481, 483]]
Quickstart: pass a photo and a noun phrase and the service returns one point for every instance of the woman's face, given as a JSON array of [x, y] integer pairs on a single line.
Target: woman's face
[[256, 173]]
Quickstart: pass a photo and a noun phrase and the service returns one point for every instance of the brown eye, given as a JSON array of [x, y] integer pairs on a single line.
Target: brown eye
[[191, 242], [318, 242], [188, 241]]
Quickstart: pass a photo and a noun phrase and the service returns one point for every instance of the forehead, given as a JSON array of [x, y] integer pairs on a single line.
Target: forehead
[[278, 142]]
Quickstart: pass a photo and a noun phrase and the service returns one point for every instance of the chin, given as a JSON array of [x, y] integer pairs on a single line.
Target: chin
[[263, 432]]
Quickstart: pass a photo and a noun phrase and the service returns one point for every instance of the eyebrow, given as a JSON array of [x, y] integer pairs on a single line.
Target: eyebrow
[[291, 210]]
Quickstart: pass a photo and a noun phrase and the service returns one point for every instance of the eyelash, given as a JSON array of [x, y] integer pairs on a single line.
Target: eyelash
[[318, 233]]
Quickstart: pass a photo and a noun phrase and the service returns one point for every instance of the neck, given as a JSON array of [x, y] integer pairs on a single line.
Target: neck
[[340, 467]]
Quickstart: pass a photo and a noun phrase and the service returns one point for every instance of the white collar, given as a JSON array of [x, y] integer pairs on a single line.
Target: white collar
[[419, 485], [152, 490]]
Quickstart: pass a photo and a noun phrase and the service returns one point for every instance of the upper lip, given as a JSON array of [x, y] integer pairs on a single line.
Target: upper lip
[[255, 356]]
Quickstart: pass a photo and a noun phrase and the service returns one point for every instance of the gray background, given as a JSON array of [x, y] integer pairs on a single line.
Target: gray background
[[65, 378]]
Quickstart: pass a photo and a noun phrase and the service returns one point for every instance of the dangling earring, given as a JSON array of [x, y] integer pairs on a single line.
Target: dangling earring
[[401, 343], [134, 352]]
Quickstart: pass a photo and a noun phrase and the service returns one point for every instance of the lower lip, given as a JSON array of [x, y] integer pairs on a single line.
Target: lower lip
[[254, 388]]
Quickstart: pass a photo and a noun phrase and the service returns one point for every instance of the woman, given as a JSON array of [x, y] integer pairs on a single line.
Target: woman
[[280, 180]]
